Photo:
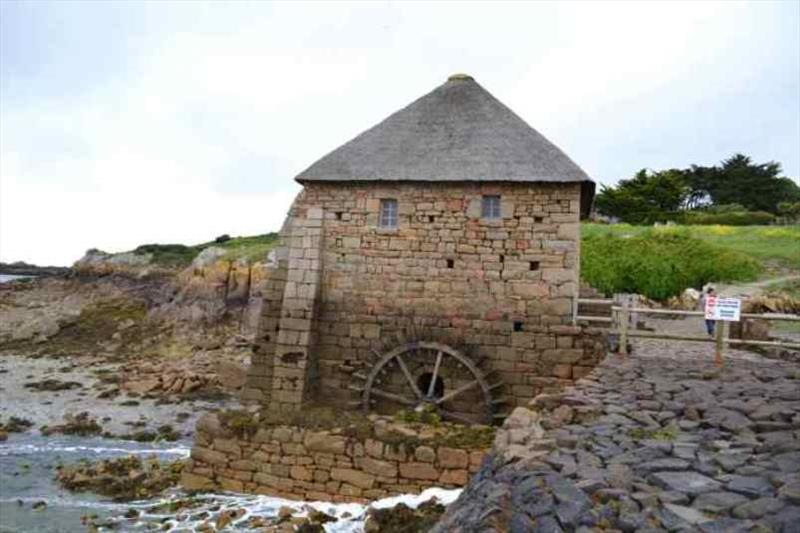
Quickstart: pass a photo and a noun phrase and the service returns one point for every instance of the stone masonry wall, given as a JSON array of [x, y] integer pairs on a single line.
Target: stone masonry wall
[[258, 387], [503, 288], [298, 463]]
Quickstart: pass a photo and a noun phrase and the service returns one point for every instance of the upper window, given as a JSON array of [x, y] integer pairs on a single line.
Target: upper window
[[490, 206], [388, 215]]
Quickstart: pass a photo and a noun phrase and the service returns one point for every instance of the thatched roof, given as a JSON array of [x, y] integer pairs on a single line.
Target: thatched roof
[[457, 132]]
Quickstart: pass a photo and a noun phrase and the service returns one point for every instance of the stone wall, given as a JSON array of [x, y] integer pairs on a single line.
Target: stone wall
[[312, 464], [504, 288], [258, 387]]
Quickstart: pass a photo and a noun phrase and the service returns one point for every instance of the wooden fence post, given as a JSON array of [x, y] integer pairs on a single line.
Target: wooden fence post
[[720, 338], [625, 319]]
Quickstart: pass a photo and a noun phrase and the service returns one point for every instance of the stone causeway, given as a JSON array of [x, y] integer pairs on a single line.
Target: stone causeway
[[667, 442]]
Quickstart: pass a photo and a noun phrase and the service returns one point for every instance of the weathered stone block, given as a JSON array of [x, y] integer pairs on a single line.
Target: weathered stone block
[[419, 471], [353, 477], [301, 473], [206, 455], [452, 457], [228, 446], [233, 485], [190, 481], [244, 464], [426, 454], [374, 448], [565, 356], [378, 467], [454, 477], [324, 442]]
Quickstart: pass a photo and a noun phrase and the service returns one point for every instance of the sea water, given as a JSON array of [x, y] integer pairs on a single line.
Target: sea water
[[28, 464], [11, 277]]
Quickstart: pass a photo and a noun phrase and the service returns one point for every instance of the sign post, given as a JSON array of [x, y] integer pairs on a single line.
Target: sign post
[[727, 309], [722, 310]]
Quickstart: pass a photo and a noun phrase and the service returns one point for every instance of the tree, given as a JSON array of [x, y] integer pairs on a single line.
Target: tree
[[737, 180], [652, 196], [646, 198]]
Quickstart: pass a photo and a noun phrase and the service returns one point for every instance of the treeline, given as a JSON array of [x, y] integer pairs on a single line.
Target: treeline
[[735, 192]]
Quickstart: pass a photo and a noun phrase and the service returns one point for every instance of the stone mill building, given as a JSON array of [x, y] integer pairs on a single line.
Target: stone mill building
[[429, 263]]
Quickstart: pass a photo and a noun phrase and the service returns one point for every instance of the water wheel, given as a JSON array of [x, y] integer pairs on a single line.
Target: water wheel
[[429, 376]]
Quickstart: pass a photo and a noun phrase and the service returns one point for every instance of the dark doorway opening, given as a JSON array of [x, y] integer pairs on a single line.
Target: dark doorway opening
[[424, 383]]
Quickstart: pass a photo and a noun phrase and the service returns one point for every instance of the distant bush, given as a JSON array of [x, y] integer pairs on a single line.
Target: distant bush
[[168, 254], [659, 264], [253, 248], [729, 218]]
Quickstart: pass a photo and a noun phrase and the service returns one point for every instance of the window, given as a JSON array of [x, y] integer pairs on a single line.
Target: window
[[388, 215], [490, 207]]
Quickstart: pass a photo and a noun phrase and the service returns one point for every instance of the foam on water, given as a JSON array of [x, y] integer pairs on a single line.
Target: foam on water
[[350, 516], [30, 449]]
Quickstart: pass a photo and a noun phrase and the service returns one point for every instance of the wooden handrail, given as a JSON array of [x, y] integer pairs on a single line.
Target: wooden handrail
[[595, 318], [596, 301], [680, 312], [666, 336], [621, 317]]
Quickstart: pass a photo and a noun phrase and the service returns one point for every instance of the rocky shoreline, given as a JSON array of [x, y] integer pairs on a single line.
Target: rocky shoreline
[[50, 394], [21, 268], [647, 444]]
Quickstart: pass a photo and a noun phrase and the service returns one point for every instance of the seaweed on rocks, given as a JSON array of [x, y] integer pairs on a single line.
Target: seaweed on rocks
[[122, 479], [403, 519], [81, 424]]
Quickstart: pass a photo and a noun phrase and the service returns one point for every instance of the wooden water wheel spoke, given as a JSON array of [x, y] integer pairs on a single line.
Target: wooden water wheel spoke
[[429, 369], [394, 397], [450, 395], [457, 417], [407, 374], [432, 385]]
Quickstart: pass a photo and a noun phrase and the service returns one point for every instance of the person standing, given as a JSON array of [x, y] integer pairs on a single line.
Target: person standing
[[710, 324]]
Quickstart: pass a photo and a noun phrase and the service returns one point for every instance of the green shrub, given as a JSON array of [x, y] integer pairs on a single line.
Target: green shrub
[[253, 248], [729, 218], [168, 254], [659, 264]]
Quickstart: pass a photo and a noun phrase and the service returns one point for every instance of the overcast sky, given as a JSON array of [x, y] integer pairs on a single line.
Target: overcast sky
[[124, 123]]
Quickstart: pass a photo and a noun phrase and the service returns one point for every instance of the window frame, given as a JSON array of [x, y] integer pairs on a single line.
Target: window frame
[[491, 207], [388, 217]]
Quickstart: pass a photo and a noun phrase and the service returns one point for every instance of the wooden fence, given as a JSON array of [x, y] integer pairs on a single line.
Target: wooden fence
[[624, 313]]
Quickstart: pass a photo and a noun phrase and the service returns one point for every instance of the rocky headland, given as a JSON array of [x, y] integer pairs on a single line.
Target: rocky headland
[[127, 336], [20, 268]]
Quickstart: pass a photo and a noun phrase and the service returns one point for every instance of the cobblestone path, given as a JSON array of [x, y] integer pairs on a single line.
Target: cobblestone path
[[649, 443]]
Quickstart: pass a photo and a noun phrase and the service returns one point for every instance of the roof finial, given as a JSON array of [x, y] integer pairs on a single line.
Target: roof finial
[[460, 77]]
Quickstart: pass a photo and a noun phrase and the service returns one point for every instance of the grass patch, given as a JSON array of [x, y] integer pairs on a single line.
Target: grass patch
[[658, 263], [668, 433], [772, 246], [253, 248], [356, 425]]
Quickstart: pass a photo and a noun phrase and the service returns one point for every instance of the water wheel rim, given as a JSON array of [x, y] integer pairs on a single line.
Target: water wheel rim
[[396, 352]]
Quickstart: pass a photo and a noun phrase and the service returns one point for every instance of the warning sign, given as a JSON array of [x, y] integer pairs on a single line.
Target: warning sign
[[727, 309]]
